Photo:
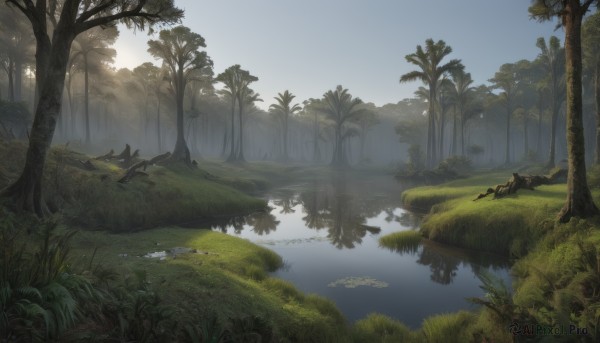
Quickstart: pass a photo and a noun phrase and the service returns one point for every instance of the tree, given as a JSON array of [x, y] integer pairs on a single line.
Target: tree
[[152, 79], [16, 49], [340, 106], [178, 48], [285, 108], [462, 95], [430, 72], [245, 96], [236, 81], [96, 41], [506, 80], [55, 28], [552, 58], [590, 37], [570, 13]]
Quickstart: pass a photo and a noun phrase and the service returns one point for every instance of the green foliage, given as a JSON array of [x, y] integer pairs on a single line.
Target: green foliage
[[415, 159], [449, 328], [38, 292], [404, 241], [379, 328], [455, 164]]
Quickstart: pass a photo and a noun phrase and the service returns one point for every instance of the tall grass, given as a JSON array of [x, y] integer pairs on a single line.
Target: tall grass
[[449, 328], [404, 241]]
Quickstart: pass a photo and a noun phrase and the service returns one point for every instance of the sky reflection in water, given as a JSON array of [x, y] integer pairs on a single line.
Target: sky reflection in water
[[327, 233]]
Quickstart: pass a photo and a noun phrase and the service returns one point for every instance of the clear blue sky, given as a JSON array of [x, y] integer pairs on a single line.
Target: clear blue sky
[[310, 46]]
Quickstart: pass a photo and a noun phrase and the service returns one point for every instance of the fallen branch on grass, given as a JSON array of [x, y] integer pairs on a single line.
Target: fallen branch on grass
[[517, 182], [133, 170]]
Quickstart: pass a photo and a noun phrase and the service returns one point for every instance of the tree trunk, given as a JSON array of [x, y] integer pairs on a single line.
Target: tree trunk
[[86, 90], [508, 114], [285, 136], [579, 199], [181, 151], [539, 130], [18, 79], [454, 132], [431, 141], [231, 157], [525, 135], [552, 157], [11, 79], [51, 65], [240, 156], [597, 102], [158, 123]]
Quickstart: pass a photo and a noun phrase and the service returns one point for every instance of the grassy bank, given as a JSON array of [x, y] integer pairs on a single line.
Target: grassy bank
[[556, 266], [226, 278], [510, 226]]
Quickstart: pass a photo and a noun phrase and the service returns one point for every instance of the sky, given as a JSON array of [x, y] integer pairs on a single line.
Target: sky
[[310, 46]]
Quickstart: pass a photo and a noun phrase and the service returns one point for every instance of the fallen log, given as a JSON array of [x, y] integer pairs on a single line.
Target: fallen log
[[106, 157], [517, 182], [133, 170]]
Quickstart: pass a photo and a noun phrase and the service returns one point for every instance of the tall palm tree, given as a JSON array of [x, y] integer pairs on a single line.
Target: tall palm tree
[[552, 58], [579, 201], [430, 72], [229, 80], [341, 107], [506, 80], [462, 95], [285, 108], [246, 98]]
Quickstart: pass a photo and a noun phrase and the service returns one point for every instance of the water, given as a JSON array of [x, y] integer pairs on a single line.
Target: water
[[327, 232]]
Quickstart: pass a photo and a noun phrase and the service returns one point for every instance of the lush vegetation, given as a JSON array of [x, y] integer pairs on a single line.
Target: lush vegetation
[[555, 265]]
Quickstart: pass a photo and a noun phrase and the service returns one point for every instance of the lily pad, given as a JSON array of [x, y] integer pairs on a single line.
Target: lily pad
[[355, 281]]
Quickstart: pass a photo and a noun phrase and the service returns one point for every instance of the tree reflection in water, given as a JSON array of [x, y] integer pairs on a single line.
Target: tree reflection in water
[[262, 223], [444, 261]]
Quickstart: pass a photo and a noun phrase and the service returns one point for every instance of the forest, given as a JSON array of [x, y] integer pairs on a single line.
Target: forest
[[171, 202]]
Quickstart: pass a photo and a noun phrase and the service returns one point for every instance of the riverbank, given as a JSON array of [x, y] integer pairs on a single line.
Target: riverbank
[[556, 273]]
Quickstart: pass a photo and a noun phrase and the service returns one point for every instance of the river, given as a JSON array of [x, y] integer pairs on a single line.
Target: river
[[327, 232]]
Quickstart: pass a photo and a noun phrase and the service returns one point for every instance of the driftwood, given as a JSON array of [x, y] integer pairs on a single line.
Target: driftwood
[[133, 170], [106, 157], [517, 182], [125, 157]]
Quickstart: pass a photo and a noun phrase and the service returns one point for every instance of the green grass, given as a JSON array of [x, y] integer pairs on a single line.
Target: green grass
[[508, 226], [422, 199], [222, 282], [379, 328], [402, 241], [448, 328]]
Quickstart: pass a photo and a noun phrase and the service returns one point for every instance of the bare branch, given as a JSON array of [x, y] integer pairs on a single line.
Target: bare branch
[[95, 10]]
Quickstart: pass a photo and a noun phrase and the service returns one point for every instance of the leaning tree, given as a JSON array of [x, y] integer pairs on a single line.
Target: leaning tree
[[570, 14], [55, 25], [178, 48]]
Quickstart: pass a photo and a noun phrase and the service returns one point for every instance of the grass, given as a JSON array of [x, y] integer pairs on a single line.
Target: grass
[[422, 199], [448, 328], [379, 328], [403, 241], [229, 281], [509, 226]]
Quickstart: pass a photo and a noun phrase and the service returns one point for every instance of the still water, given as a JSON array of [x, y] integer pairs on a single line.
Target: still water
[[327, 232]]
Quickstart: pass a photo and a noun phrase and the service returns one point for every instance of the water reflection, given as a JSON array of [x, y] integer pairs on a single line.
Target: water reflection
[[329, 229], [444, 261], [336, 205]]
